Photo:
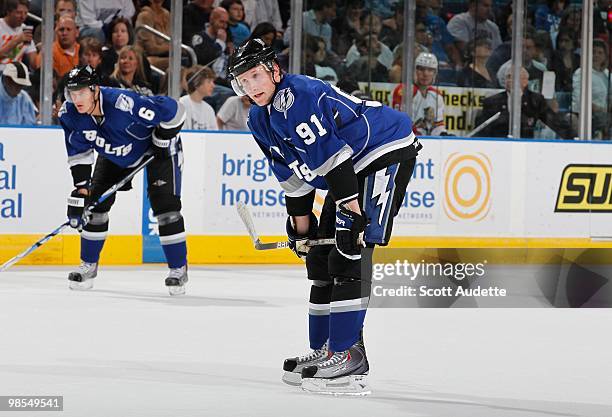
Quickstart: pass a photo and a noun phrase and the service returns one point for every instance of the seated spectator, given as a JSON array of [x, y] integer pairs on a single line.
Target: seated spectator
[[475, 73], [213, 45], [156, 48], [17, 106], [259, 11], [347, 26], [233, 114], [90, 52], [314, 56], [543, 48], [564, 61], [474, 23], [129, 71], [427, 101], [239, 30], [369, 59], [62, 8], [65, 47], [94, 16], [572, 22], [548, 17], [316, 22], [443, 43], [195, 16], [267, 33], [392, 31], [533, 108], [602, 94], [15, 38], [199, 115]]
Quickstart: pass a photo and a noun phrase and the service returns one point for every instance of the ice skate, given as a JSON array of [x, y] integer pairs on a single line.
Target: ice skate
[[82, 278], [344, 373], [176, 280], [293, 366]]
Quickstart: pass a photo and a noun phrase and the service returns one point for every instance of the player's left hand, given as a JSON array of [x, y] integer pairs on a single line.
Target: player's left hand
[[299, 243], [350, 226], [161, 147]]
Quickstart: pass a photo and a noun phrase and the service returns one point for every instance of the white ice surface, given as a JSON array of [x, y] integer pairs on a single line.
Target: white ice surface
[[127, 349]]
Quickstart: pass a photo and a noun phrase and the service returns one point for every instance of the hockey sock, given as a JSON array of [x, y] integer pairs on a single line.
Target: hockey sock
[[318, 313], [347, 314], [93, 237], [172, 237]]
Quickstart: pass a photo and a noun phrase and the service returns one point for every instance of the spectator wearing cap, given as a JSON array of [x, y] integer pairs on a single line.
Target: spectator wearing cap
[[16, 38], [17, 106], [199, 115], [65, 47]]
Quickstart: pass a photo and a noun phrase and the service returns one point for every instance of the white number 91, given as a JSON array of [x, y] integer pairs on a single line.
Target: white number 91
[[306, 133]]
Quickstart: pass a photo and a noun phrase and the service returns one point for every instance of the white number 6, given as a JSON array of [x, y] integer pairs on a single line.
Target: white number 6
[[146, 114]]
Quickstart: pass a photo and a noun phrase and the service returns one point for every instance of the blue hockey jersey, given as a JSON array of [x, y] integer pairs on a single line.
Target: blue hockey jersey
[[311, 127], [124, 134]]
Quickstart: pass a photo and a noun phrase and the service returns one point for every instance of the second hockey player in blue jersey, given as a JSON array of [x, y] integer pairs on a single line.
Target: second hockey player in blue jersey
[[123, 128], [316, 136]]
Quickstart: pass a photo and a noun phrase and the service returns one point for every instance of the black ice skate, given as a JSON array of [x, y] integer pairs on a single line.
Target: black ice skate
[[82, 278], [177, 278], [344, 373], [293, 366]]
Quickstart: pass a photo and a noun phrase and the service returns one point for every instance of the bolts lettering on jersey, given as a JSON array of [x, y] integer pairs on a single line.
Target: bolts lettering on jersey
[[302, 171], [92, 136]]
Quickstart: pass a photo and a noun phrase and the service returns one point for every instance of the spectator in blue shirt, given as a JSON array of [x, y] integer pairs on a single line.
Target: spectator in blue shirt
[[239, 30], [443, 45], [17, 106]]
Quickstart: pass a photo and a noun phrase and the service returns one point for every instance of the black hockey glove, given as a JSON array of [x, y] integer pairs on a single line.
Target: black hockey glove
[[77, 203], [349, 232], [297, 243], [162, 148]]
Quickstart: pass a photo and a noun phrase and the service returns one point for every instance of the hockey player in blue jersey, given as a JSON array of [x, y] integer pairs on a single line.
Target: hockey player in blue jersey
[[316, 136], [123, 128]]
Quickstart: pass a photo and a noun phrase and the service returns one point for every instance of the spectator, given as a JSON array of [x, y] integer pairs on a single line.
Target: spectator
[[266, 32], [564, 61], [199, 115], [17, 106], [94, 16], [572, 22], [15, 37], [543, 48], [158, 18], [369, 59], [195, 16], [317, 21], [371, 24], [314, 56], [65, 7], [443, 43], [474, 23], [129, 71], [475, 73], [548, 17], [347, 26], [239, 30], [600, 82], [533, 108], [90, 52], [212, 45], [65, 47], [259, 11], [427, 101], [392, 31], [234, 113]]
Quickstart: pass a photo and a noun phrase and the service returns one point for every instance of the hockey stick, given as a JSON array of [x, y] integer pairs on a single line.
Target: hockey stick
[[88, 210], [245, 215], [484, 124]]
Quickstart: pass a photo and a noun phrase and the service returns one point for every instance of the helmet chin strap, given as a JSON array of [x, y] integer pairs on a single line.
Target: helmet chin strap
[[95, 103]]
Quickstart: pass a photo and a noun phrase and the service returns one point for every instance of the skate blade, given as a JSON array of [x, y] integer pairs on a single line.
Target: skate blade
[[292, 378], [356, 385], [176, 290], [81, 286]]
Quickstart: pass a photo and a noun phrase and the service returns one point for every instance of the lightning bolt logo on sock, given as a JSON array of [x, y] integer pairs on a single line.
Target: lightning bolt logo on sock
[[381, 190]]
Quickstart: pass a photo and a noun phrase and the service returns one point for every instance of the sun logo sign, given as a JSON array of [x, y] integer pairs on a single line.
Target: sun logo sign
[[467, 186]]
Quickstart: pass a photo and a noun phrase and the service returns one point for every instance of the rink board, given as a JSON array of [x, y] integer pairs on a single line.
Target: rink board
[[464, 193]]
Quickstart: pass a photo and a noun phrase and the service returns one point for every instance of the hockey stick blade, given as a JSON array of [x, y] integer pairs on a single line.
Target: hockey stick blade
[[246, 218]]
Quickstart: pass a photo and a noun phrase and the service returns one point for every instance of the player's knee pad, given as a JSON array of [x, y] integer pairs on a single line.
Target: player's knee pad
[[320, 283], [171, 224], [169, 217], [164, 203], [316, 263], [98, 218], [98, 223]]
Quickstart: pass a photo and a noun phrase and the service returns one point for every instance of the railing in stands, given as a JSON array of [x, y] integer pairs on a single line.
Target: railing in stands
[[188, 49]]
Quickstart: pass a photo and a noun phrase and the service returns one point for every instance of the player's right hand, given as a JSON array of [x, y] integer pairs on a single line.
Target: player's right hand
[[76, 208], [299, 243]]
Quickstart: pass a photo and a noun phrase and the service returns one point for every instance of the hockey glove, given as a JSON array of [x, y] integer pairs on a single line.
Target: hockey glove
[[298, 243], [76, 210], [349, 232], [162, 148]]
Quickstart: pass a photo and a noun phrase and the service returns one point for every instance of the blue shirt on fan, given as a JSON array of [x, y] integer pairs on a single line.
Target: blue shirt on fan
[[311, 127], [124, 133]]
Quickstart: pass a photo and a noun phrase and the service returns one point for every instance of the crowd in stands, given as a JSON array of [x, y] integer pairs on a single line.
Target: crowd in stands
[[344, 42]]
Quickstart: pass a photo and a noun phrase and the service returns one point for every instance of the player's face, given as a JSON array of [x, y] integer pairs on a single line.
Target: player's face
[[257, 83], [424, 76], [82, 99]]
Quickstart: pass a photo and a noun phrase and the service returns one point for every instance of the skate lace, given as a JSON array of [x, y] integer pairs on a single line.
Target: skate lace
[[176, 272], [314, 354], [85, 267], [335, 359]]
